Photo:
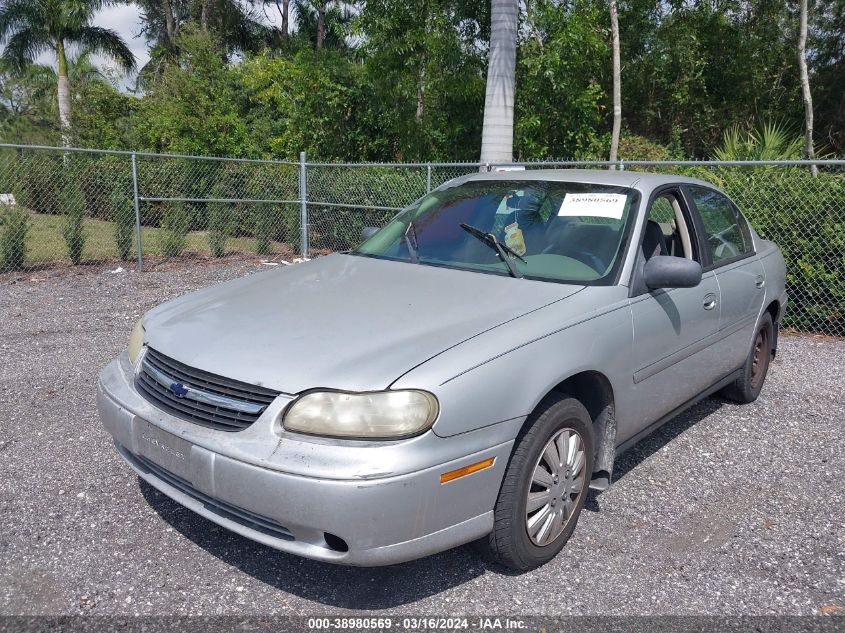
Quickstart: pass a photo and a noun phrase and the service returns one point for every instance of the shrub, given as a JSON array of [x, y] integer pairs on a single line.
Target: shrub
[[174, 230], [805, 217], [219, 221], [123, 214], [99, 177], [263, 218], [14, 226], [40, 175], [73, 231]]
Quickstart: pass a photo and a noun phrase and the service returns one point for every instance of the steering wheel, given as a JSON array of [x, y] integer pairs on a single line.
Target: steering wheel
[[720, 244]]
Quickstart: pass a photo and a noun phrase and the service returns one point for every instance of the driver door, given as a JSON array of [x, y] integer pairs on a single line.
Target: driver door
[[674, 328]]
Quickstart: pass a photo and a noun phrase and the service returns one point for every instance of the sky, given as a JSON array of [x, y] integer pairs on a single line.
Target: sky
[[126, 20]]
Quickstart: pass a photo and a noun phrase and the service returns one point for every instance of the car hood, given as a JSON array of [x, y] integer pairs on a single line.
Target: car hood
[[340, 321]]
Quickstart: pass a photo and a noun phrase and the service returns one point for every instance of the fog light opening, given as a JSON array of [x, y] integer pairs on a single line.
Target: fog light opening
[[335, 542]]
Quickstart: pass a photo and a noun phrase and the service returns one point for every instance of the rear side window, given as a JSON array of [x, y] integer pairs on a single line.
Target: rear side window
[[726, 231]]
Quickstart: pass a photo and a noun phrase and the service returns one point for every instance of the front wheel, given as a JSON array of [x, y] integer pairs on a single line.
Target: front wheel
[[747, 387], [545, 485]]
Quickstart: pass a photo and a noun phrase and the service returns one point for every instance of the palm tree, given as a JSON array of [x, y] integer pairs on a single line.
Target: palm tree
[[235, 24], [80, 70], [497, 131], [283, 7], [32, 27], [617, 83]]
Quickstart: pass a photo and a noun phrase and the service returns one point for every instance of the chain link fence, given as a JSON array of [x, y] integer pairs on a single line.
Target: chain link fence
[[61, 207]]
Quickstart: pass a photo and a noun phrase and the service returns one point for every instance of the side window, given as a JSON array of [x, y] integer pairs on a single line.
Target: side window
[[666, 231], [726, 231]]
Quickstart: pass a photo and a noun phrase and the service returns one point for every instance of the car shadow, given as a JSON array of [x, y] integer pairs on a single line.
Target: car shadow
[[377, 587], [653, 442], [333, 585]]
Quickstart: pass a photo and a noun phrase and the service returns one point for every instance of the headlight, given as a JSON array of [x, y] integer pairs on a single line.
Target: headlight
[[380, 414], [136, 342]]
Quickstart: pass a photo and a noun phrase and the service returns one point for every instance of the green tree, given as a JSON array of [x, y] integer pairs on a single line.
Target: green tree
[[312, 102], [100, 113], [102, 116], [827, 41], [196, 108], [32, 27], [27, 112], [235, 26], [424, 72], [692, 69], [560, 96]]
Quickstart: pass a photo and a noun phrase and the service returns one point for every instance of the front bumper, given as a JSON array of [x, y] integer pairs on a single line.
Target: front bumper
[[349, 502]]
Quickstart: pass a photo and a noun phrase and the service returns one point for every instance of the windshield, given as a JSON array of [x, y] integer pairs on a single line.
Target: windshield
[[556, 231]]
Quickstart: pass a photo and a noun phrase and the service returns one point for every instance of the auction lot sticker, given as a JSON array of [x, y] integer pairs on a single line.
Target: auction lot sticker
[[593, 205]]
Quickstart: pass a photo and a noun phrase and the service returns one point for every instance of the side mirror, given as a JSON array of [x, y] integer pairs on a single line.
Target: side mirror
[[665, 271], [368, 231]]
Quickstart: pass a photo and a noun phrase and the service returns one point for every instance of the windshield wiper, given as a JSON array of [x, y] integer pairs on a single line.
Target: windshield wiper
[[412, 247], [503, 250]]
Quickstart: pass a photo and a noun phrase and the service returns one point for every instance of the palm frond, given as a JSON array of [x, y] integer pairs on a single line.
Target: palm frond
[[733, 144], [82, 69], [25, 45], [73, 15], [18, 15], [107, 43], [769, 141]]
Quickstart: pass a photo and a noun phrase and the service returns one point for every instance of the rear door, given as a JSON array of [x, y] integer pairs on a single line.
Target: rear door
[[729, 253]]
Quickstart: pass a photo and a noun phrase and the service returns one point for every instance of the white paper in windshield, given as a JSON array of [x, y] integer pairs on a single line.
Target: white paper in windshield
[[594, 205]]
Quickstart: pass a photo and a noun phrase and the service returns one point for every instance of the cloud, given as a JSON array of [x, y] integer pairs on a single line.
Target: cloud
[[126, 20]]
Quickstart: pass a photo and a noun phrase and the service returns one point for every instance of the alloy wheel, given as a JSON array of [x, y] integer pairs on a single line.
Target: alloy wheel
[[558, 480]]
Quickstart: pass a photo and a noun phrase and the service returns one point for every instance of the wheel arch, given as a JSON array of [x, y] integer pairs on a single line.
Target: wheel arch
[[593, 389]]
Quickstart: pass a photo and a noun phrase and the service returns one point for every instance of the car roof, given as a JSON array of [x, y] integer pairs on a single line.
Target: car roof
[[635, 179]]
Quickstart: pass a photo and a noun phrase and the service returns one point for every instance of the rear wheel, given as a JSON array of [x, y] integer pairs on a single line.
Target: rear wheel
[[545, 485], [747, 387]]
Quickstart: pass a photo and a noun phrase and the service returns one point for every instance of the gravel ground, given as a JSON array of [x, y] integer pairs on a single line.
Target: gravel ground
[[726, 510]]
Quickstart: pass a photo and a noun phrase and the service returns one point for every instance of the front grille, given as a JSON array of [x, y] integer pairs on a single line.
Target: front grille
[[204, 398], [221, 508]]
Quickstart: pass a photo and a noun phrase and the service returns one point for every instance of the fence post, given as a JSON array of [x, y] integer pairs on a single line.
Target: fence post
[[137, 212], [621, 165], [303, 204], [428, 179]]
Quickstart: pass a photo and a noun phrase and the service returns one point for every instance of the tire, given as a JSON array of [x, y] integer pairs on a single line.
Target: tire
[[564, 422], [747, 387]]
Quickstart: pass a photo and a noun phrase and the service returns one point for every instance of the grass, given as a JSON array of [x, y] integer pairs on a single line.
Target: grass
[[46, 244]]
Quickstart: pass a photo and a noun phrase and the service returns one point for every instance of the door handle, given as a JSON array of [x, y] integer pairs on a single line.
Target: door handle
[[709, 301], [760, 282]]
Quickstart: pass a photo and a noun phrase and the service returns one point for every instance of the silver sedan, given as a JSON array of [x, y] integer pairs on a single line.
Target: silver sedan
[[467, 374]]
